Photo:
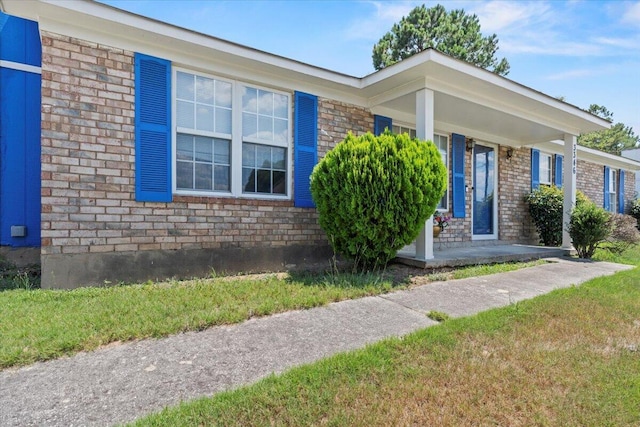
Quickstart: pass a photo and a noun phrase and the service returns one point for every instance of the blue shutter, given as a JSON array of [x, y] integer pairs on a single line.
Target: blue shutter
[[621, 193], [535, 169], [305, 147], [558, 175], [380, 123], [153, 129], [457, 166], [20, 106], [606, 203]]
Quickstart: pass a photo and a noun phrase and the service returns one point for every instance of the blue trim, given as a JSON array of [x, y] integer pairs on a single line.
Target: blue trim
[[153, 129], [606, 203], [621, 193], [20, 120], [535, 169], [380, 123], [558, 171], [305, 147], [458, 148]]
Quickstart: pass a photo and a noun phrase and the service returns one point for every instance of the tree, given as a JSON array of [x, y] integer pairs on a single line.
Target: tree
[[619, 137], [454, 33]]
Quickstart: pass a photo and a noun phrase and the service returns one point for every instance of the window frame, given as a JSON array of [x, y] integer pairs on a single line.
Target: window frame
[[613, 190], [236, 141], [548, 178]]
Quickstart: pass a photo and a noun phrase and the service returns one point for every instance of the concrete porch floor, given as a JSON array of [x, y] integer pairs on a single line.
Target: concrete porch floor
[[473, 255]]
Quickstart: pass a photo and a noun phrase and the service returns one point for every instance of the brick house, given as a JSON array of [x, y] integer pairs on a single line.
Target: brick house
[[133, 149]]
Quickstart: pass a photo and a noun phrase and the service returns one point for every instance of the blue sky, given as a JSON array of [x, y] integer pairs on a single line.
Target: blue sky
[[586, 51]]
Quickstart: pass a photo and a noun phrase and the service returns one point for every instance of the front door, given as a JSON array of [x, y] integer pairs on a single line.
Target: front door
[[485, 198]]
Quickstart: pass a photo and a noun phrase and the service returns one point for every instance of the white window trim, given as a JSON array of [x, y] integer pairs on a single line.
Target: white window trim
[[236, 141], [547, 179], [613, 189]]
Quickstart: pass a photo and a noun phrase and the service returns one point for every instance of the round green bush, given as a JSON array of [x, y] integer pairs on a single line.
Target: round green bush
[[590, 225], [374, 194], [546, 205]]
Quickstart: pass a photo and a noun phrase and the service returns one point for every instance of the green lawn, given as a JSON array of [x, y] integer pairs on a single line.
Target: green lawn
[[570, 358], [44, 324]]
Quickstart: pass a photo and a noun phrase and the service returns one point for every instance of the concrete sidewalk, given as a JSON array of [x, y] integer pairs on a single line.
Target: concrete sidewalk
[[123, 382]]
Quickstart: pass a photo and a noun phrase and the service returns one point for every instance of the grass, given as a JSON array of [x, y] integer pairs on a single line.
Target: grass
[[38, 325], [571, 358]]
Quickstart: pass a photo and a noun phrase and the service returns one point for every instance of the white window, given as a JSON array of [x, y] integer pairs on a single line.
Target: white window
[[612, 190], [398, 129], [545, 168], [442, 142], [230, 137]]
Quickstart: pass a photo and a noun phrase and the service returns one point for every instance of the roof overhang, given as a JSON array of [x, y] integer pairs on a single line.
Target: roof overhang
[[468, 100], [591, 155]]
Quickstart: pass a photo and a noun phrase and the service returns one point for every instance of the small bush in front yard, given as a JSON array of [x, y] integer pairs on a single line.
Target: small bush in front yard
[[374, 193], [590, 225], [546, 205], [635, 211], [624, 233]]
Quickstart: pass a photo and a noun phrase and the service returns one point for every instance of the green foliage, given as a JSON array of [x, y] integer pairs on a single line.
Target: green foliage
[[635, 211], [614, 140], [454, 33], [546, 205], [590, 225], [438, 316], [374, 194]]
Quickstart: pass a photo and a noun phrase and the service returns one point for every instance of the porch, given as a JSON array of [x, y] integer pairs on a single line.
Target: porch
[[474, 255]]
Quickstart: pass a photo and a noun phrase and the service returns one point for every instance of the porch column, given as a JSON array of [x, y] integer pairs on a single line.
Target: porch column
[[424, 130], [569, 185]]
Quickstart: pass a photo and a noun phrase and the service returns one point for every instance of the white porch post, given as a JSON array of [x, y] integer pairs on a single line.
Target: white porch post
[[569, 185], [424, 130]]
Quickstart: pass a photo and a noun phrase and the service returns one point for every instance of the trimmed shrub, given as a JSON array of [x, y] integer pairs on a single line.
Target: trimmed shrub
[[590, 225], [635, 211], [374, 194], [546, 207], [624, 233]]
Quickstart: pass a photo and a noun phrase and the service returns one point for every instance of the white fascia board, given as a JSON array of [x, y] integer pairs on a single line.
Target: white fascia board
[[591, 155]]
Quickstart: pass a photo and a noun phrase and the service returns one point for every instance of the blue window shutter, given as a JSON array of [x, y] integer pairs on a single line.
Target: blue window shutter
[[535, 169], [153, 129], [558, 174], [621, 193], [380, 123], [305, 147], [606, 203], [457, 166]]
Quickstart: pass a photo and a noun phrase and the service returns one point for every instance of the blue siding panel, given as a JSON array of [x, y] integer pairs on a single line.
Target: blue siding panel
[[535, 169], [606, 204], [19, 132], [305, 147], [457, 166], [380, 123], [153, 129]]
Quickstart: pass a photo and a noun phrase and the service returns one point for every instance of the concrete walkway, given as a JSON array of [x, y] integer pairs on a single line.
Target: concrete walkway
[[123, 382]]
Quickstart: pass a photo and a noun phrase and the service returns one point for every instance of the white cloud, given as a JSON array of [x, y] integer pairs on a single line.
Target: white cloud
[[379, 21], [632, 15], [505, 15]]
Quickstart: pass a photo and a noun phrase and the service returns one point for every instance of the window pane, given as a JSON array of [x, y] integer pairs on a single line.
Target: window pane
[[250, 100], [249, 155], [184, 149], [280, 106], [204, 175], [221, 178], [204, 90], [204, 119], [279, 182], [184, 86], [204, 149], [264, 181], [265, 103], [248, 180], [265, 128], [278, 157], [222, 152], [223, 94], [184, 175], [223, 120], [281, 131], [249, 125], [263, 156], [185, 115]]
